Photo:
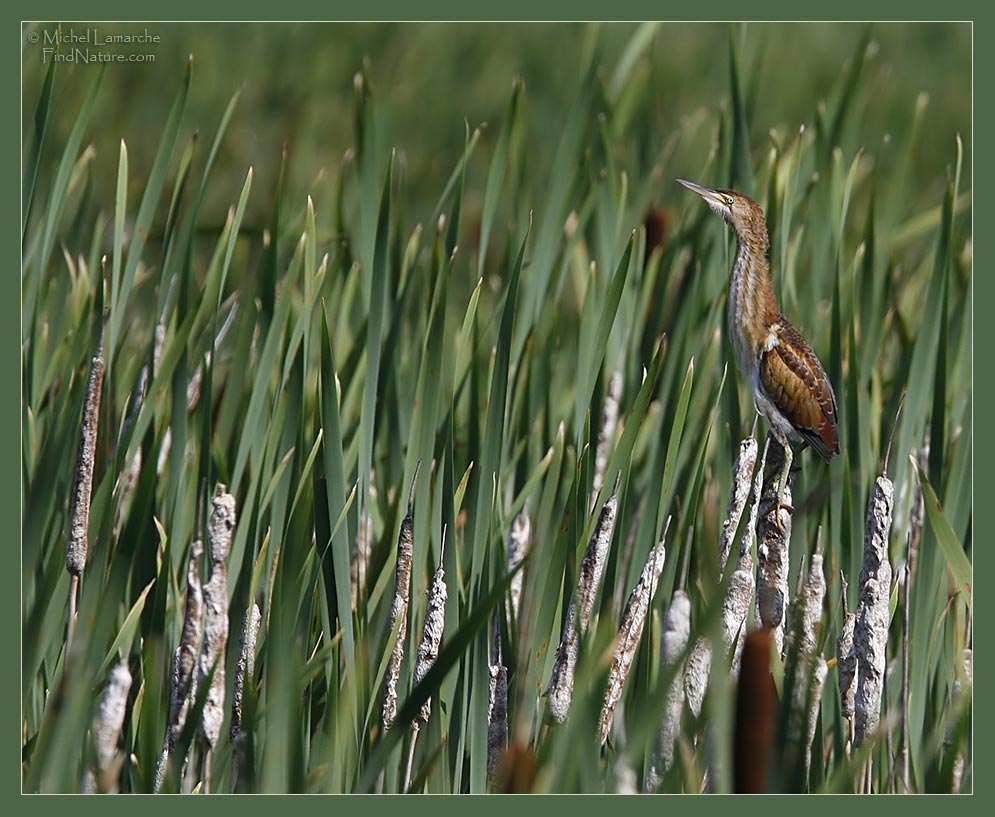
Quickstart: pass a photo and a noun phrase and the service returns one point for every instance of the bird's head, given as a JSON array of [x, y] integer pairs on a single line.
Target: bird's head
[[743, 214]]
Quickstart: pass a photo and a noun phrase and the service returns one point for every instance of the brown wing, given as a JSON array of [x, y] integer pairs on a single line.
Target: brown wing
[[796, 383]]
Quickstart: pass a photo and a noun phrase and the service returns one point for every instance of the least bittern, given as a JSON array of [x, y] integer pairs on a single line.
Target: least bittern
[[789, 385]]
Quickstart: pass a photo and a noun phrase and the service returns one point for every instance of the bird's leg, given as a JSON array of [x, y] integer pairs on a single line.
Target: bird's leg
[[783, 480]]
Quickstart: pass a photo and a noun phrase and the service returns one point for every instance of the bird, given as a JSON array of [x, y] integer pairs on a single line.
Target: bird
[[789, 385]]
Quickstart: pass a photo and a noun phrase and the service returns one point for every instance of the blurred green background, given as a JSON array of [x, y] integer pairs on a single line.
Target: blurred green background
[[296, 84]]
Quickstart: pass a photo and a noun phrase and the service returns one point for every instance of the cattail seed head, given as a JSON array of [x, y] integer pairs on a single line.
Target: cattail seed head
[[561, 682], [673, 643], [246, 666], [221, 524], [212, 654], [431, 635], [810, 609], [497, 715], [630, 631], [873, 614], [819, 672], [79, 503], [696, 672], [809, 668], [107, 729], [183, 688], [399, 611], [773, 542], [606, 434], [518, 547], [846, 660], [742, 474], [736, 606]]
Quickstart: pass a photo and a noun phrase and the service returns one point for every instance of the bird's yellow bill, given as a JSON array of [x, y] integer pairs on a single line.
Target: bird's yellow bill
[[705, 192]]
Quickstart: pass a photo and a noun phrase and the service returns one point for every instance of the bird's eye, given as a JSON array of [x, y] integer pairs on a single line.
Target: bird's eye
[[729, 201]]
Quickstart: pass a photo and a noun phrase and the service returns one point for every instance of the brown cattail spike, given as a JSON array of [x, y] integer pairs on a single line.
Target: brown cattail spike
[[756, 702]]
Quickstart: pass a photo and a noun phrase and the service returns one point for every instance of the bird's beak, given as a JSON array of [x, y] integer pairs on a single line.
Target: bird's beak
[[706, 193]]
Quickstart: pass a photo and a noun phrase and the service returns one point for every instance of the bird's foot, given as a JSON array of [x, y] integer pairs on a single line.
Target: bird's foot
[[783, 506]]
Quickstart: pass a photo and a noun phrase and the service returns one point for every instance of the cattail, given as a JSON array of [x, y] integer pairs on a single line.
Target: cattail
[[819, 672], [625, 556], [362, 549], [106, 732], [676, 632], [756, 715], [79, 506], [871, 630], [243, 675], [561, 682], [196, 380], [399, 610], [137, 400], [607, 433], [810, 669], [696, 672], [806, 631], [655, 224], [739, 593], [846, 659], [212, 653], [497, 715], [515, 771], [963, 682], [245, 667], [518, 547], [773, 541], [625, 777], [497, 701], [630, 630], [742, 479], [79, 502], [129, 480], [736, 606], [431, 634], [428, 650], [184, 680]]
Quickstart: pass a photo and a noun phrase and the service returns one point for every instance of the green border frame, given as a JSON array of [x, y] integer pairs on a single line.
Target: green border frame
[[10, 498]]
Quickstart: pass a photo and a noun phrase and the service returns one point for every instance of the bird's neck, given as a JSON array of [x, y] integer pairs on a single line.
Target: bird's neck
[[752, 305]]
